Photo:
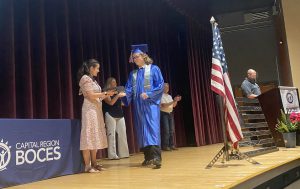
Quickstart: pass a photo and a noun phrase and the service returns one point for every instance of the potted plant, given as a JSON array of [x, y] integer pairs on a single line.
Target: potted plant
[[295, 118], [287, 125]]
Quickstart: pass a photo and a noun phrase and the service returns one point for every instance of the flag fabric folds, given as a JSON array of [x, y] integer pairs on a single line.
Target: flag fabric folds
[[220, 84]]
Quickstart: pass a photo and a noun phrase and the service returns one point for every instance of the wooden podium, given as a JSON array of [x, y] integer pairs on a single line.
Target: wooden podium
[[285, 98]]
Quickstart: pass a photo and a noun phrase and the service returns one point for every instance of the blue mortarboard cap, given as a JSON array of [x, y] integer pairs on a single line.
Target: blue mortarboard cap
[[141, 48]]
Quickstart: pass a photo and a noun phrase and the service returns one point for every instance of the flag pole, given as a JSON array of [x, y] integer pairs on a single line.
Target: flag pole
[[225, 149], [221, 109]]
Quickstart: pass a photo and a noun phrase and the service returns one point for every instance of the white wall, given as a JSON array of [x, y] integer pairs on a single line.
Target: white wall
[[291, 12]]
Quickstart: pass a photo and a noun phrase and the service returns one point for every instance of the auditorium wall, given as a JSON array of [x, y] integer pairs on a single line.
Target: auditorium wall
[[292, 25], [249, 40]]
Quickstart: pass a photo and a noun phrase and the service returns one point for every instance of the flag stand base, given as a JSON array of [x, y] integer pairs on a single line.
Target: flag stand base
[[233, 155], [228, 152]]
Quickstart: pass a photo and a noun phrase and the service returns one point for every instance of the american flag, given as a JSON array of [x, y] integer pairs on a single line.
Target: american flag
[[220, 84]]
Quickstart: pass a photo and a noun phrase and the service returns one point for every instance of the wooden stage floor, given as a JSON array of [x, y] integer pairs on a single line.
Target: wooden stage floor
[[184, 168]]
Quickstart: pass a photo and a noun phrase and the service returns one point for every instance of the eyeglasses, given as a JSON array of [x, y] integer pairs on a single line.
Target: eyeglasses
[[134, 57]]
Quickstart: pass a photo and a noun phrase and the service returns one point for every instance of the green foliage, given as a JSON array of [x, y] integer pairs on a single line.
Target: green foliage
[[284, 124]]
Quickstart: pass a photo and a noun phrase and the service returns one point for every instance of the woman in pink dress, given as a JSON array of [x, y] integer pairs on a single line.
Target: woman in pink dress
[[93, 134]]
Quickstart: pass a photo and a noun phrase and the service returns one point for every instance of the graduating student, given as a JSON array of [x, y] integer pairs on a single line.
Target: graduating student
[[144, 89]]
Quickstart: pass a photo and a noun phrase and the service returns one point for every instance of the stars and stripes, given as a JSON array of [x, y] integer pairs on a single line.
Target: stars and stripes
[[220, 84]]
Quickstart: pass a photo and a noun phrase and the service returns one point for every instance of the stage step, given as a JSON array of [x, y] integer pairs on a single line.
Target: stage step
[[254, 127], [246, 100], [256, 133], [257, 143], [250, 109], [261, 151], [253, 116]]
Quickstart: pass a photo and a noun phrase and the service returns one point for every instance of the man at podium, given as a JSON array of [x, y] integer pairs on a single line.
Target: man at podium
[[249, 86]]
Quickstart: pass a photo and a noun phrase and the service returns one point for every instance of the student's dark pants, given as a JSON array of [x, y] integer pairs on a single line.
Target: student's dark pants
[[152, 152]]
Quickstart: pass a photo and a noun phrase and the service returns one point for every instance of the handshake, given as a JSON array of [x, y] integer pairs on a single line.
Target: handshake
[[119, 90]]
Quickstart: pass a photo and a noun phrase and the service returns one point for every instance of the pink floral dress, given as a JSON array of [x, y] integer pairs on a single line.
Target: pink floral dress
[[93, 133]]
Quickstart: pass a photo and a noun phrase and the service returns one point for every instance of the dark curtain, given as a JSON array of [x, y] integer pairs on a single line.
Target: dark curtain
[[44, 42], [207, 125]]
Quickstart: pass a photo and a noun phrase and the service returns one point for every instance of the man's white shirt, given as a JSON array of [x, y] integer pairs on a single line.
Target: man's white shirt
[[166, 98]]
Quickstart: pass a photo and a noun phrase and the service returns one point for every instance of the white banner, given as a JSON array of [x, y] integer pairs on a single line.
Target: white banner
[[289, 97]]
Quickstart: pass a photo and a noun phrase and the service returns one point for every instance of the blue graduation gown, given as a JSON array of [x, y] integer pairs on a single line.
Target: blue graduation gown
[[146, 112]]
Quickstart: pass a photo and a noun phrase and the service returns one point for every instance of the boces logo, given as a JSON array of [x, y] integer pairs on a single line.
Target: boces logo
[[29, 152], [5, 155], [290, 98]]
